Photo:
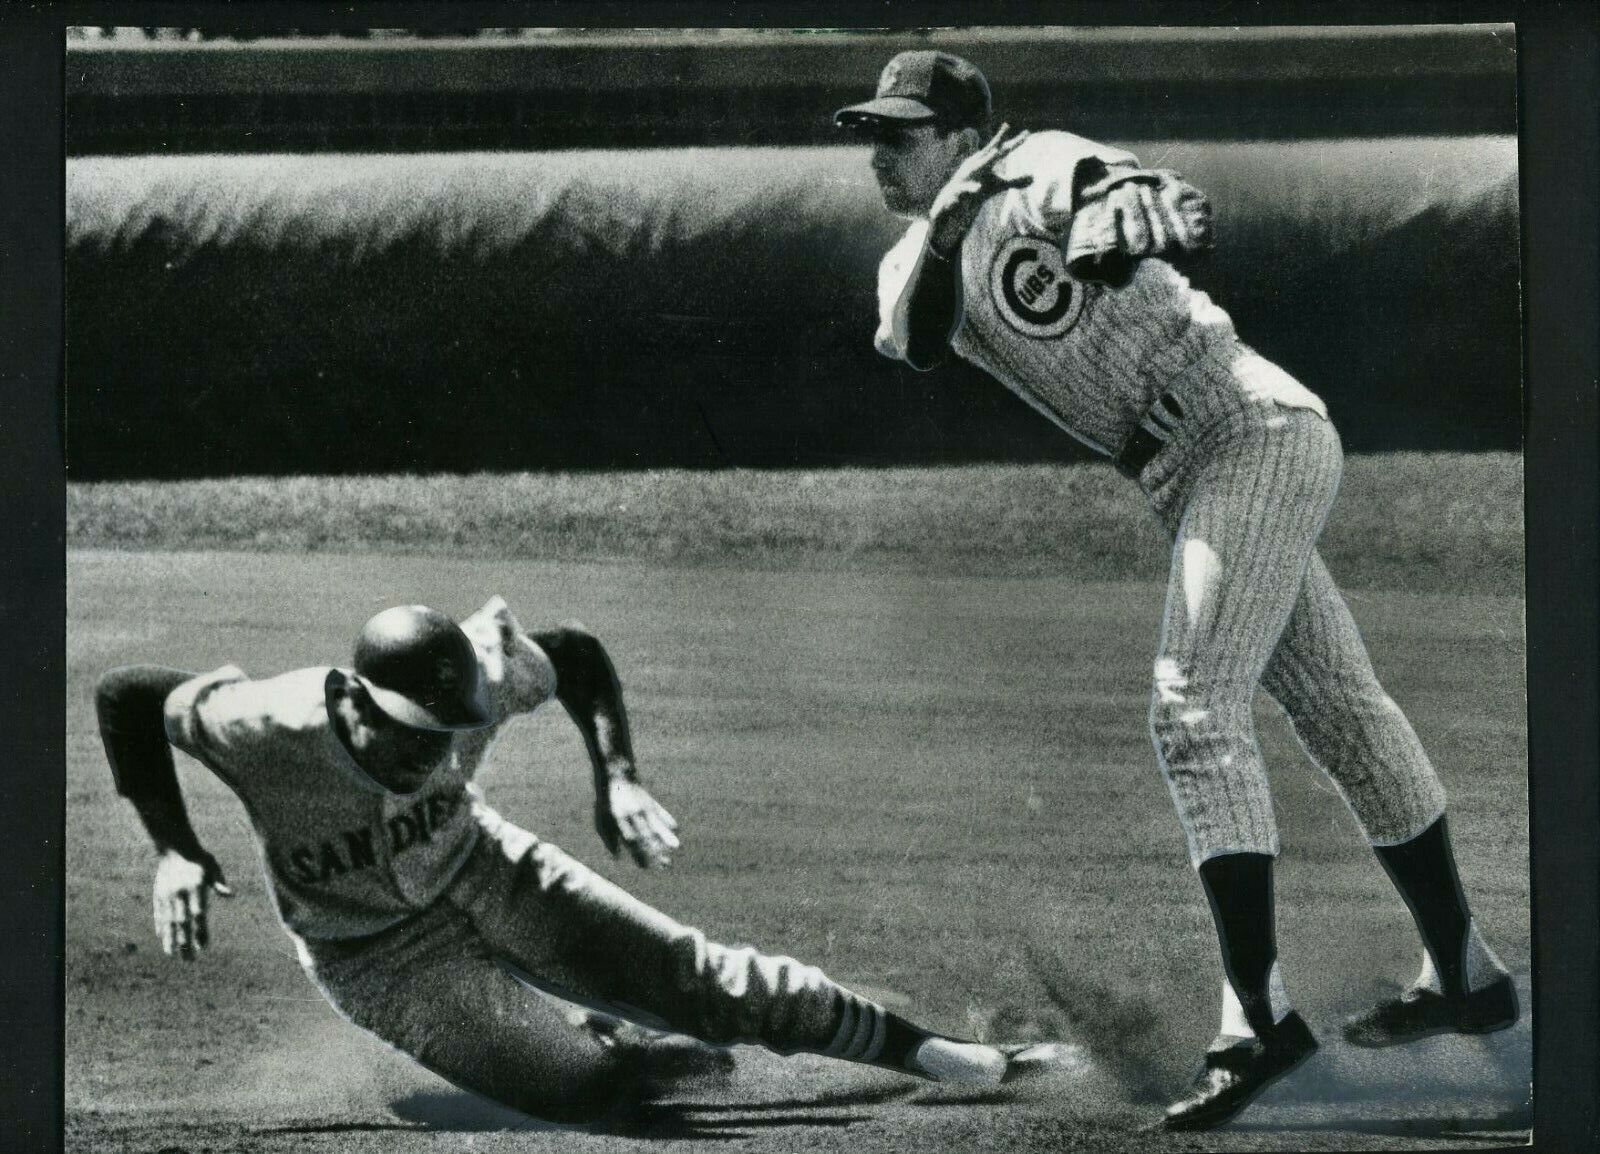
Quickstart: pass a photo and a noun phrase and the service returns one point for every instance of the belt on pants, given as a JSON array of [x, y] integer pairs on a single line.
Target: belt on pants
[[1150, 436]]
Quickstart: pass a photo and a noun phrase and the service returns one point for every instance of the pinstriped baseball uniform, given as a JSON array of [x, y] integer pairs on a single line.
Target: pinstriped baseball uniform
[[1248, 472], [403, 906]]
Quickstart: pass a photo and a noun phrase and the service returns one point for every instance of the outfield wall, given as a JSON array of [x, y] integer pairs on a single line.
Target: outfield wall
[[706, 307], [548, 89]]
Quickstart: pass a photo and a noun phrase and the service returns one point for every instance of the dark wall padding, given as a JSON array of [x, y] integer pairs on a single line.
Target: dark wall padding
[[743, 88], [468, 311]]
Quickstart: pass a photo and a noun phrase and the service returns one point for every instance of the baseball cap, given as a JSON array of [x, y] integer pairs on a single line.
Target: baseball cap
[[420, 669], [922, 86]]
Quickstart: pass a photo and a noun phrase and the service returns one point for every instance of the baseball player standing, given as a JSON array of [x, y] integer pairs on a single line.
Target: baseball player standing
[[412, 904], [1038, 257]]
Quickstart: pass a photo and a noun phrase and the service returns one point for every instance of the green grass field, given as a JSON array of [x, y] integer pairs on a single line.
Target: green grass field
[[905, 739]]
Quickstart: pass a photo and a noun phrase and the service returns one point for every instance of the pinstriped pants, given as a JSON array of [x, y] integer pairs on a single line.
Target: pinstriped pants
[[437, 988], [1244, 494]]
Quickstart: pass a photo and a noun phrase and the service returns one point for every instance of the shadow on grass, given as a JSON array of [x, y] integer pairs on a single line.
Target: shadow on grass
[[727, 1120], [859, 1096], [937, 1097], [465, 1112], [1493, 1130], [676, 1123], [346, 1128]]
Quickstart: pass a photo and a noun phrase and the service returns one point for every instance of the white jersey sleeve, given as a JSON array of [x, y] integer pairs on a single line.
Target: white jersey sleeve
[[894, 276], [181, 712], [1043, 206], [208, 716], [520, 675]]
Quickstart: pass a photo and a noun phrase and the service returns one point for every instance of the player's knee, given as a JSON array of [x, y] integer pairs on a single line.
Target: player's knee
[[738, 994], [720, 988], [1180, 712], [1195, 723], [1360, 717]]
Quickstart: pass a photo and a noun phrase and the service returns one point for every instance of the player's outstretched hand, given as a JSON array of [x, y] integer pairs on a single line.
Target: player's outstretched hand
[[629, 816], [958, 202], [182, 889]]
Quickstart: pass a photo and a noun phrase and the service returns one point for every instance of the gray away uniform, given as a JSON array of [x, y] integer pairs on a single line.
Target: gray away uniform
[[412, 912]]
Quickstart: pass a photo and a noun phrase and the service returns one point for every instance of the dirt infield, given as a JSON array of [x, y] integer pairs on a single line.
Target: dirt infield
[[938, 788]]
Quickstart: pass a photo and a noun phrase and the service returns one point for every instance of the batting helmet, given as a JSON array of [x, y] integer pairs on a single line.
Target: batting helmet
[[421, 670]]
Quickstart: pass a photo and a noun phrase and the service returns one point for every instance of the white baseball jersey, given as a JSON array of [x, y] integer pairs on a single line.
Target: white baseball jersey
[[344, 856], [1246, 477], [1092, 359], [1248, 470]]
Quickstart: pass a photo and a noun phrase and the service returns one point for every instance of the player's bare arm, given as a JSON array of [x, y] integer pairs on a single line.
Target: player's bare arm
[[587, 686], [128, 705]]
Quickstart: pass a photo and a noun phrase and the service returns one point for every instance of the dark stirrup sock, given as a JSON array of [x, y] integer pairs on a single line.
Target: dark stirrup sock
[[1239, 888], [1424, 871], [900, 1040]]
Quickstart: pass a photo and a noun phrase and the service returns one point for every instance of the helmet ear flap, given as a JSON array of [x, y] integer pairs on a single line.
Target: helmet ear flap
[[341, 685], [365, 706]]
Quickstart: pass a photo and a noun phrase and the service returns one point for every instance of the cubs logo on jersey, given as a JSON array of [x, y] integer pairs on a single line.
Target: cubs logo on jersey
[[1031, 289]]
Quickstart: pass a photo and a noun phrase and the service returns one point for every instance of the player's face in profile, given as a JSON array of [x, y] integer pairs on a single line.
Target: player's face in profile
[[404, 757], [398, 757], [911, 162]]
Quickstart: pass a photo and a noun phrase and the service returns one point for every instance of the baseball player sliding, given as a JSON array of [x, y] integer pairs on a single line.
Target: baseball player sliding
[[1038, 257], [412, 904]]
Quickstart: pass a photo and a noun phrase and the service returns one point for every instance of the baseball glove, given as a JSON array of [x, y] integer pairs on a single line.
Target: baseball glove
[[1123, 215]]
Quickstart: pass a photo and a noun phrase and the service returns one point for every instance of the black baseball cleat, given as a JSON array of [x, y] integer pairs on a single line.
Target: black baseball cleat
[[1421, 1013], [1234, 1077]]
